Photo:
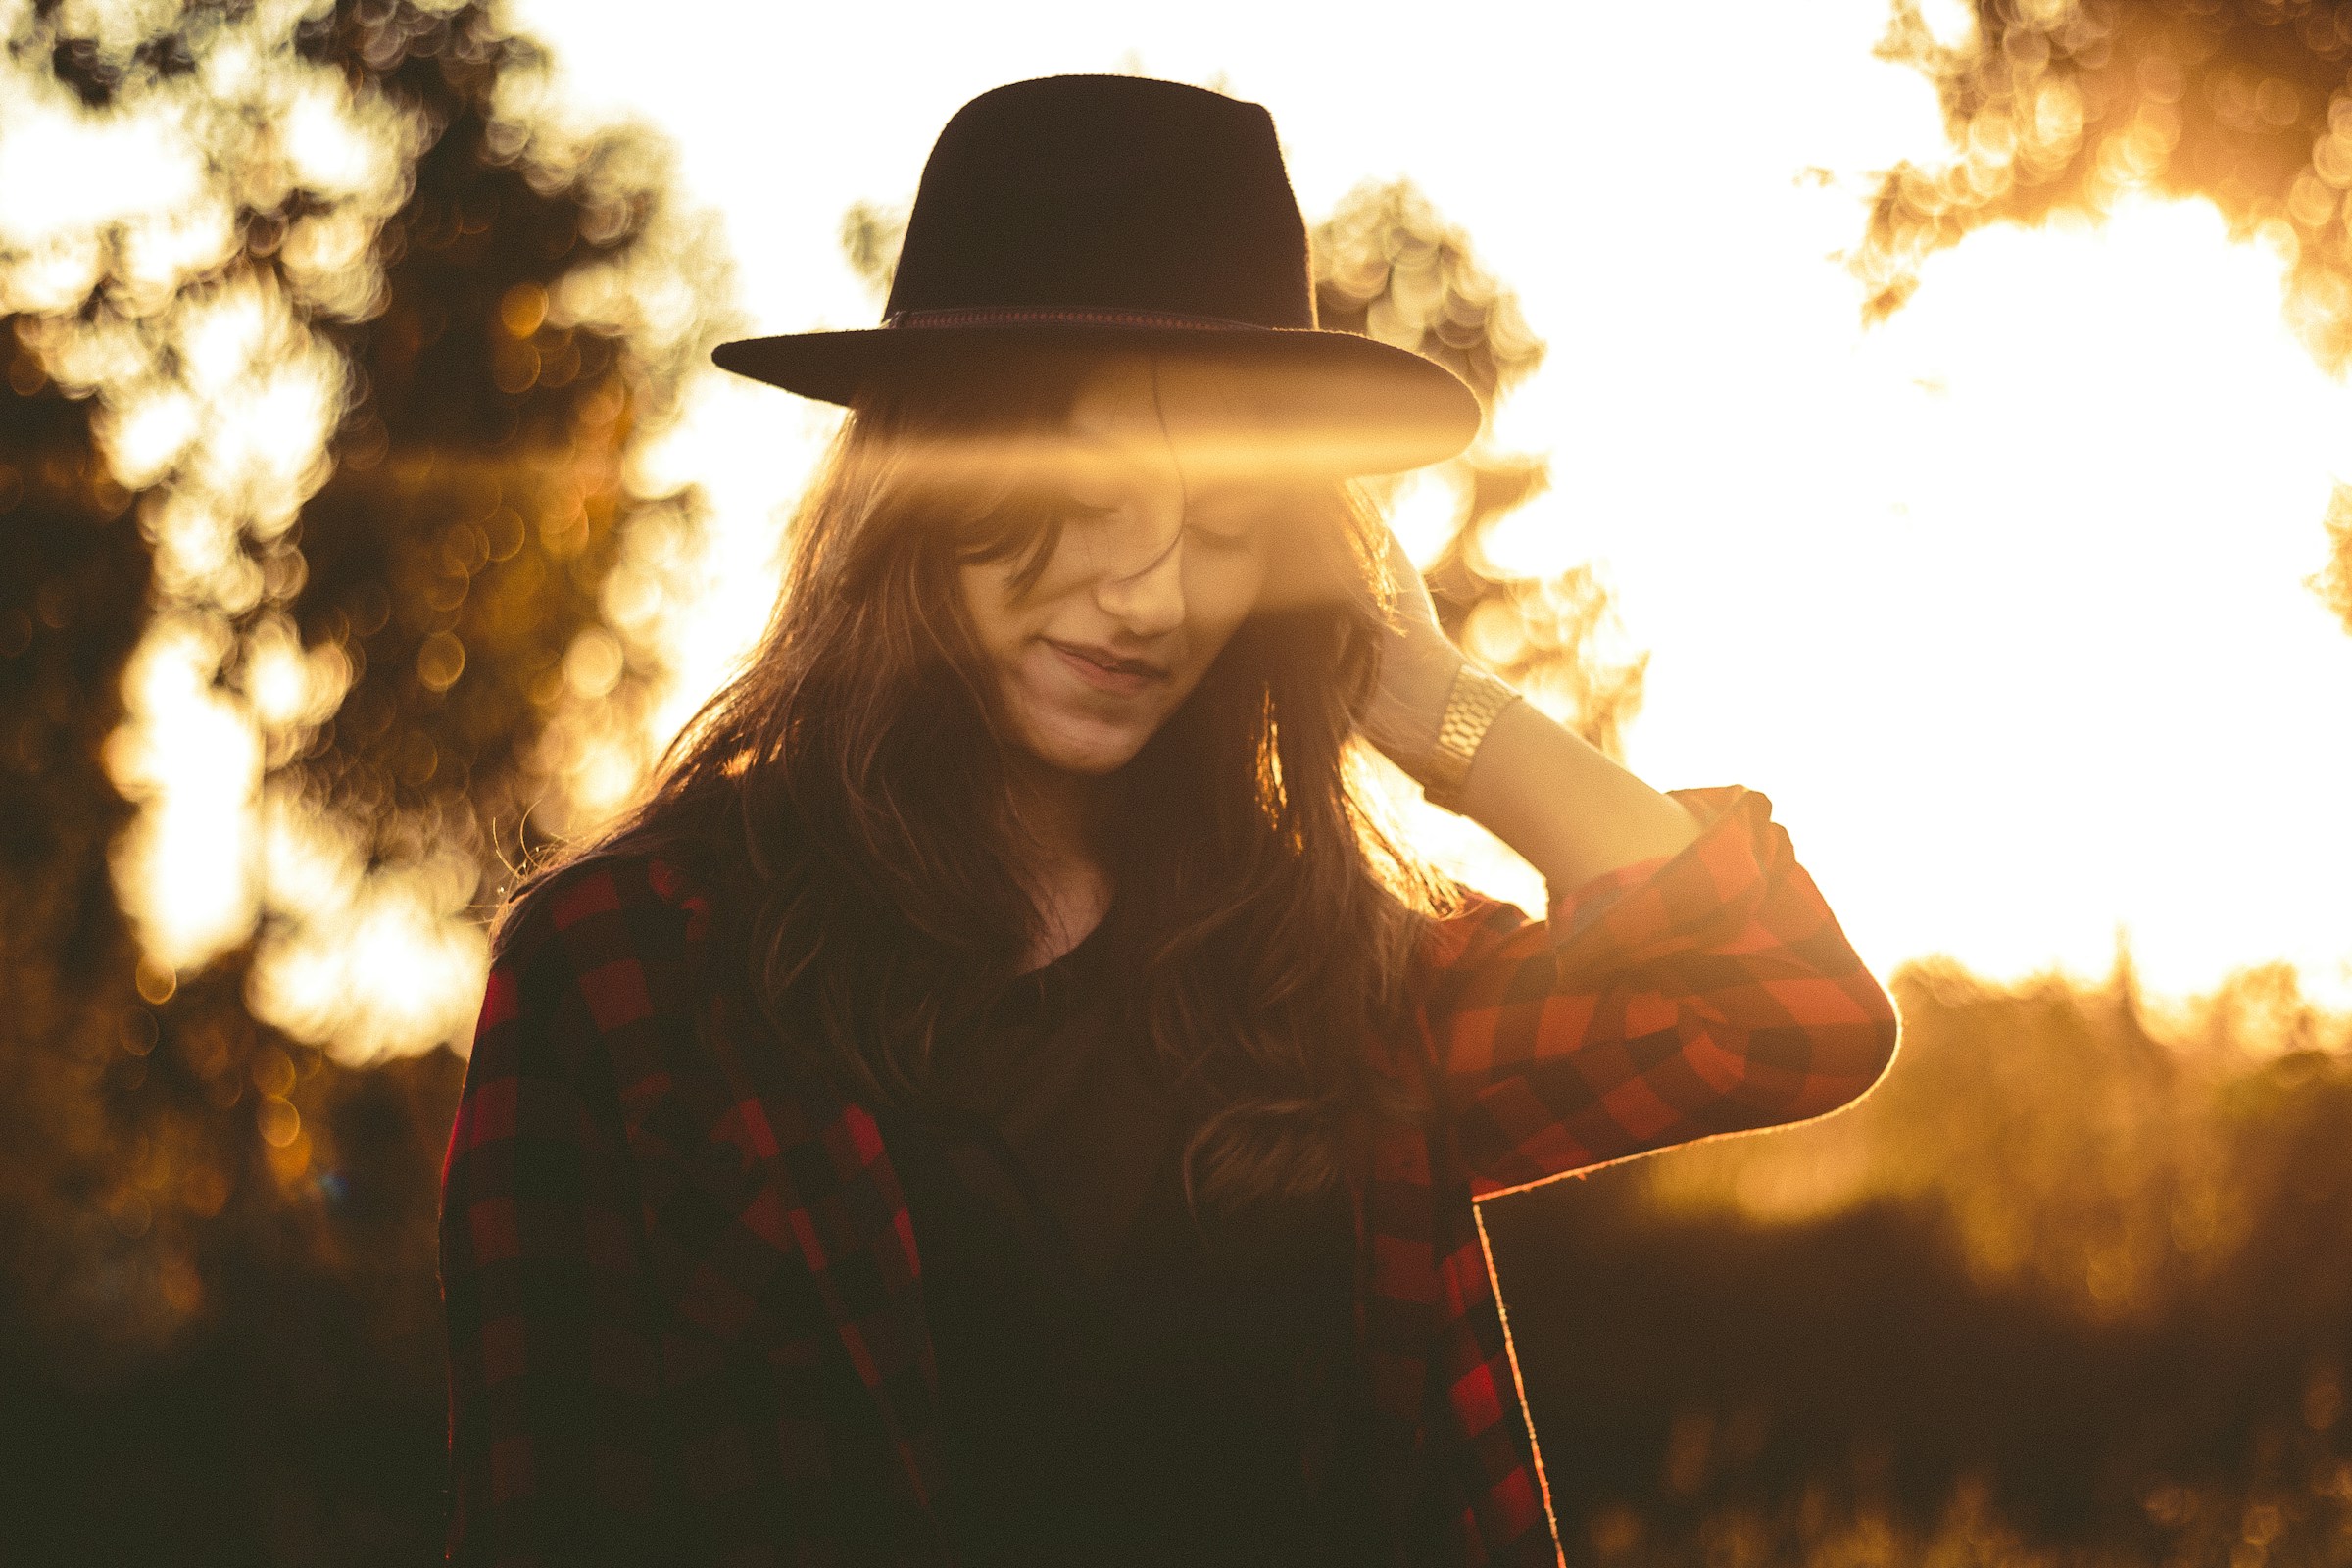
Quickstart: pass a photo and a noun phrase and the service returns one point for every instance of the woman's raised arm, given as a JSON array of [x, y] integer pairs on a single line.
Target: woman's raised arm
[[1688, 979], [1668, 999], [1570, 810]]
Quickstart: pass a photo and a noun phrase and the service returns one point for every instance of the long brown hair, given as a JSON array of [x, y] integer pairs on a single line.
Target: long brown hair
[[847, 789]]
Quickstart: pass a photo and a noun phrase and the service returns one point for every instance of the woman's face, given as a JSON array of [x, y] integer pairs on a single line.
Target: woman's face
[[1162, 554]]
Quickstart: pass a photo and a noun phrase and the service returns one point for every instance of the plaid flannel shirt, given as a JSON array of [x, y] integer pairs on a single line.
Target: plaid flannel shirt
[[684, 1301]]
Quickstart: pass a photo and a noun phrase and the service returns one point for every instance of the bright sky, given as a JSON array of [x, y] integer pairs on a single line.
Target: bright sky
[[2001, 604]]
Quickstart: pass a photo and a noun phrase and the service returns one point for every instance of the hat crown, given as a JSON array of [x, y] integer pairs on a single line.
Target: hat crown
[[1107, 194]]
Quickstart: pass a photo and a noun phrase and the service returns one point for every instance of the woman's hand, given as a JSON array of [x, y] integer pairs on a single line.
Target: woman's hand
[[1417, 667], [1570, 810]]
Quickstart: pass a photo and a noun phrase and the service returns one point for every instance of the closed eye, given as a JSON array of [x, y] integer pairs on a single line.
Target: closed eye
[[1218, 541]]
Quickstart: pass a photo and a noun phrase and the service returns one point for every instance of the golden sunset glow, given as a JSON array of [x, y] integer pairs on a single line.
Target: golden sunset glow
[[1951, 590], [1939, 586], [1932, 415]]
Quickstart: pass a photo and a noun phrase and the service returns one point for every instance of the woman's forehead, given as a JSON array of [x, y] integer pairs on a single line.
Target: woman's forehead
[[1136, 419]]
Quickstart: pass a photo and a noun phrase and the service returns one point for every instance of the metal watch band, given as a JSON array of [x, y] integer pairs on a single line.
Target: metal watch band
[[1471, 706]]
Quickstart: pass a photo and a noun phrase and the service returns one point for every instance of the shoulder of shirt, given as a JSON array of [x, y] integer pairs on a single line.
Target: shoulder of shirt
[[607, 900], [1454, 941], [1474, 918]]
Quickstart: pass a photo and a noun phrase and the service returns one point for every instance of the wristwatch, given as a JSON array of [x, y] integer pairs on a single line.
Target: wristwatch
[[1471, 707]]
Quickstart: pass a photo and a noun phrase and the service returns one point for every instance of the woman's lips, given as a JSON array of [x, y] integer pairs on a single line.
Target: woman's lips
[[1101, 676]]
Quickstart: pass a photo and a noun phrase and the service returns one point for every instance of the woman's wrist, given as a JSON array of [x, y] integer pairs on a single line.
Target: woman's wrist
[[1416, 676], [1473, 705]]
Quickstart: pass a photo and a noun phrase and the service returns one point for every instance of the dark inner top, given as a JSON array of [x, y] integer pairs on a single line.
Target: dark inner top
[[1117, 1382]]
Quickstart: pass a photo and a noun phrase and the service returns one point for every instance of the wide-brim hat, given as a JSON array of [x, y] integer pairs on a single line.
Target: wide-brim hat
[[1075, 215]]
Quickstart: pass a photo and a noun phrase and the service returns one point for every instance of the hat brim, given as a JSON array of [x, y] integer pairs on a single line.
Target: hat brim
[[1344, 403]]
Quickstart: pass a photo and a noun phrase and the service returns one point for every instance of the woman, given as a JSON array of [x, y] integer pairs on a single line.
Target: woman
[[1000, 1099]]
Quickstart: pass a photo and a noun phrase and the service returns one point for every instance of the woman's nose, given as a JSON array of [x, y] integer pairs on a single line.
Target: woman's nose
[[1146, 596], [1141, 579]]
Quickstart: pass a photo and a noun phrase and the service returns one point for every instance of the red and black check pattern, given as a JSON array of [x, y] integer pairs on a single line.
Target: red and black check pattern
[[685, 1308]]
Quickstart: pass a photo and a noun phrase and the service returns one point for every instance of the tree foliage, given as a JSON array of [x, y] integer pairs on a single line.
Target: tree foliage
[[1388, 265], [324, 445], [2061, 107], [2070, 104]]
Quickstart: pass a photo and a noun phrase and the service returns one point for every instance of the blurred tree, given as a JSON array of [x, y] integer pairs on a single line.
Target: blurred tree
[[313, 459], [2333, 581], [2066, 105], [2071, 104], [72, 602], [1389, 265], [870, 236]]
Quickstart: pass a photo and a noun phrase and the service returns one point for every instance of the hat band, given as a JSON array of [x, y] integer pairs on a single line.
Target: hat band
[[1015, 314]]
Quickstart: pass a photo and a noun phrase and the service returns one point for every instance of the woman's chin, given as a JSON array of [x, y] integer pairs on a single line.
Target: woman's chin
[[1091, 749]]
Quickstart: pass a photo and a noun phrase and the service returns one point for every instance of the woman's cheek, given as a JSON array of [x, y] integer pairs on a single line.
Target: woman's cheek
[[1222, 589]]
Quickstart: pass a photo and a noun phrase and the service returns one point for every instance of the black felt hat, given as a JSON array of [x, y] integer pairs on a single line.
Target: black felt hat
[[1085, 212]]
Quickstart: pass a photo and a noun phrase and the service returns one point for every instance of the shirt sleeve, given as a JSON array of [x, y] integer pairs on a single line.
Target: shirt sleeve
[[552, 1347], [1671, 999]]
